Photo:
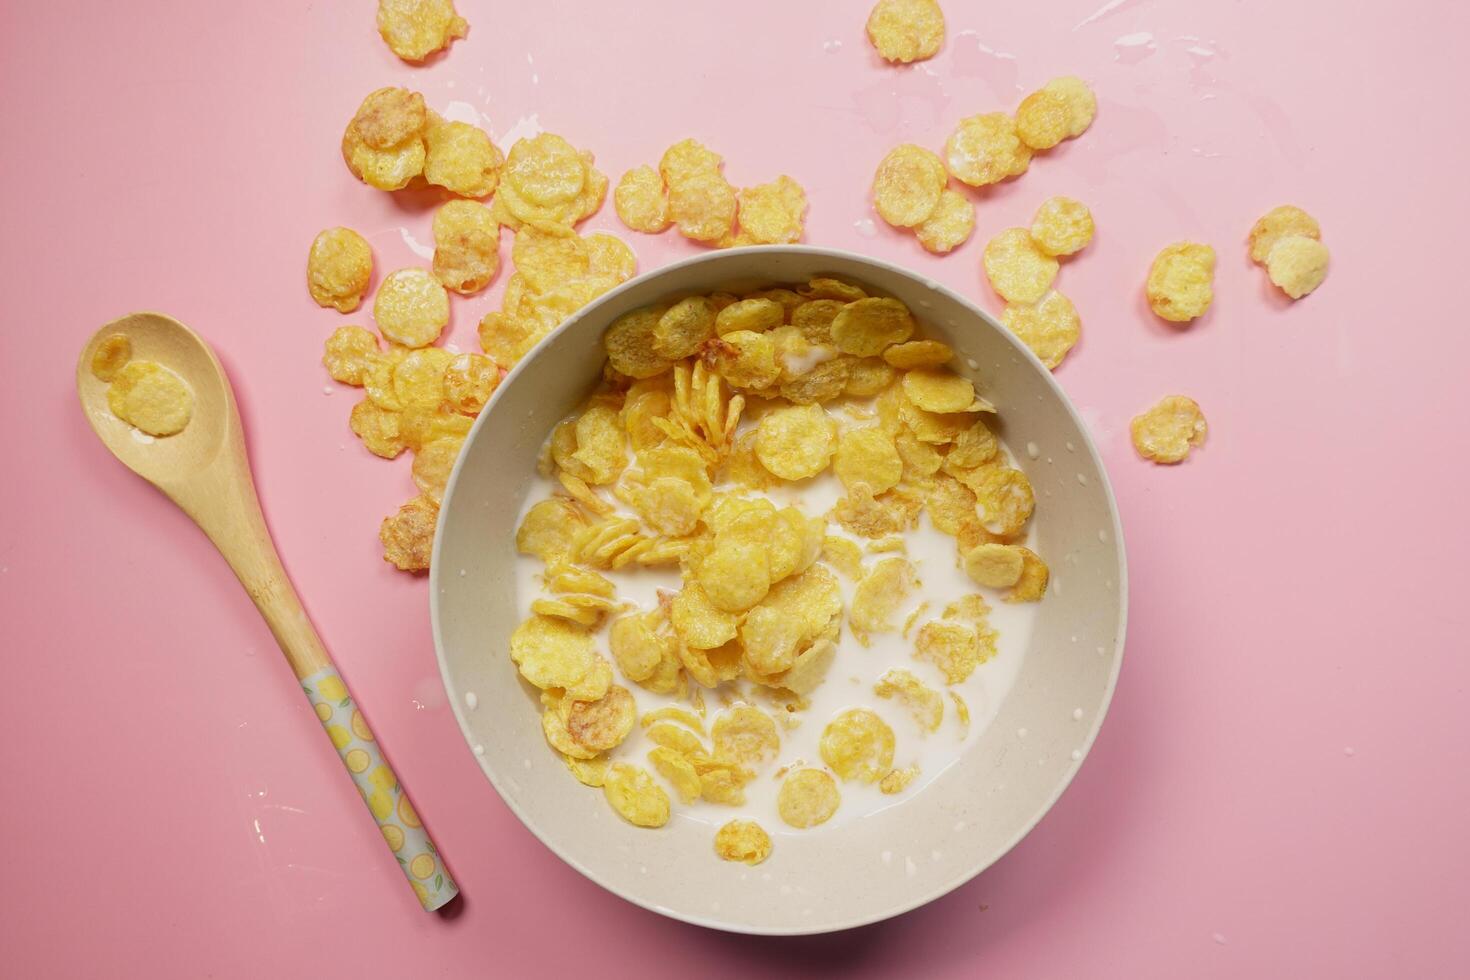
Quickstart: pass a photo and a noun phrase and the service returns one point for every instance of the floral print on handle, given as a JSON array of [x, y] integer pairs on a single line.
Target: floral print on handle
[[402, 830]]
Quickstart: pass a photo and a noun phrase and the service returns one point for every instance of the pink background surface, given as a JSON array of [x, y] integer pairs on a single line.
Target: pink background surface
[[1281, 787]]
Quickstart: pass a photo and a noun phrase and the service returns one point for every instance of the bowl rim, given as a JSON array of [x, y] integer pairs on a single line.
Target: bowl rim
[[1088, 445]]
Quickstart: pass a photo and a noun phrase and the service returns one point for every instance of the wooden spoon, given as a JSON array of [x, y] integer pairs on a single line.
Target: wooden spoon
[[205, 471]]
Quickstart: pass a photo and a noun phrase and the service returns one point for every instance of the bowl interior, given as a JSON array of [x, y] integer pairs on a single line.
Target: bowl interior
[[899, 857]]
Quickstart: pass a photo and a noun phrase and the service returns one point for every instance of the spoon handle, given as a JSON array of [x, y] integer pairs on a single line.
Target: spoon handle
[[225, 507]]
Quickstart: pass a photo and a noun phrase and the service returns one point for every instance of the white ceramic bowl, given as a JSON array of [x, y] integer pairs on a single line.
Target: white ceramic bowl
[[882, 865]]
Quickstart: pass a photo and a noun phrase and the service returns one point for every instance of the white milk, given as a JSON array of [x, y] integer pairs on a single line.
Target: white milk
[[849, 682]]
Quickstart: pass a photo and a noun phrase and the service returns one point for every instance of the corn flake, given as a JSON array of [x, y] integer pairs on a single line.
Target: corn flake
[[955, 648], [906, 30], [588, 772], [746, 735], [635, 796], [552, 653], [1051, 328], [151, 398], [797, 442], [1297, 264], [857, 744], [773, 213], [1081, 103], [1004, 499], [1031, 586], [995, 566], [749, 315], [408, 536], [938, 390], [545, 170], [949, 225], [602, 724], [1180, 281], [867, 456], [116, 349], [466, 246], [1062, 226], [1278, 223], [926, 704], [684, 327], [702, 205], [1043, 119], [961, 713], [338, 269], [641, 201], [1017, 269], [986, 149], [735, 575], [415, 29], [350, 352], [699, 623], [387, 170], [411, 308], [878, 595], [866, 327], [897, 780], [678, 770], [676, 739], [469, 381], [629, 344], [868, 376], [743, 840], [1168, 431], [807, 798], [460, 158], [908, 185], [686, 159]]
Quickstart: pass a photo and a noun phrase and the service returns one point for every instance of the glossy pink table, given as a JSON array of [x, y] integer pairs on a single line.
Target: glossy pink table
[[1281, 788]]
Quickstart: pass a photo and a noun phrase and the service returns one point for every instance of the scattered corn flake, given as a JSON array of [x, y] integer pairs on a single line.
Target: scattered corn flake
[[562, 576], [1081, 103], [466, 246], [857, 745], [1167, 432], [378, 428], [673, 713], [1043, 119], [807, 798], [866, 327], [949, 225], [629, 343], [553, 653], [908, 185], [1297, 264], [639, 643], [418, 378], [545, 170], [702, 205], [844, 555], [588, 772], [408, 535], [610, 258], [150, 397], [926, 703], [723, 786], [676, 739], [699, 623], [469, 381], [350, 353], [743, 840], [116, 350], [897, 780], [772, 213], [411, 308], [955, 648], [906, 30], [745, 734], [753, 315], [796, 442], [419, 425], [678, 770], [961, 713], [602, 724], [867, 456], [1017, 269], [641, 201], [1051, 328], [415, 29], [986, 149], [1062, 226], [995, 566], [1278, 223], [338, 269], [1004, 499], [1180, 281], [387, 170], [432, 464], [735, 575], [635, 796], [1031, 586], [389, 117], [547, 529], [555, 712], [507, 339], [684, 327], [878, 595], [938, 390], [868, 376], [687, 158], [460, 158]]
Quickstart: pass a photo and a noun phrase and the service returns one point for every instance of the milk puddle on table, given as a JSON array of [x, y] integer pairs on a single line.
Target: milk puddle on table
[[849, 682]]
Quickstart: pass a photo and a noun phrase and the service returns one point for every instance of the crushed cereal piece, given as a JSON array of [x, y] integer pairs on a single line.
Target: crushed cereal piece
[[746, 735], [906, 30], [879, 594], [1167, 432], [1180, 281], [897, 780], [926, 703], [1034, 575]]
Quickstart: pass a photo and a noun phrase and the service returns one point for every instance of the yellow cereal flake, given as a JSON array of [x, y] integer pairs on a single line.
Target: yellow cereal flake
[[878, 595], [678, 770], [418, 378], [908, 185], [641, 201], [956, 648], [415, 29], [151, 398], [796, 442], [1081, 103], [1017, 269], [469, 381], [857, 745], [995, 566], [702, 205], [548, 529], [411, 308], [867, 515], [1168, 431], [1043, 119], [602, 724], [866, 327], [390, 117], [938, 390], [408, 535], [673, 713], [629, 344], [350, 352], [751, 315], [635, 796], [1031, 586], [588, 772], [1181, 281], [745, 734], [466, 246], [844, 555], [926, 704], [387, 170], [1297, 264], [684, 327], [868, 376], [867, 456], [897, 780], [723, 785], [772, 213], [1004, 499], [961, 713], [639, 643], [687, 158], [807, 798], [338, 268], [378, 428], [1278, 223], [1051, 328], [701, 624], [743, 840], [735, 575], [1062, 226], [114, 351], [432, 464], [986, 149], [553, 653], [949, 225], [545, 170], [906, 30], [676, 739], [460, 158]]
